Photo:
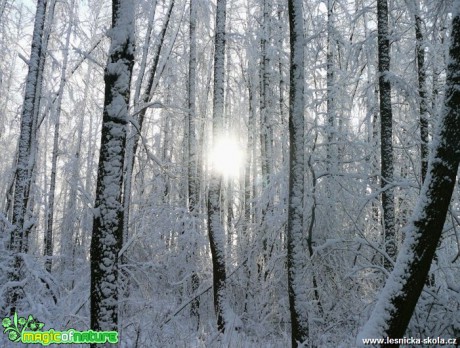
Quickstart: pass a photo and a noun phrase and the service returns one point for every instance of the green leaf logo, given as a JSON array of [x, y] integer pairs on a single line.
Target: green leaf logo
[[6, 322], [15, 328]]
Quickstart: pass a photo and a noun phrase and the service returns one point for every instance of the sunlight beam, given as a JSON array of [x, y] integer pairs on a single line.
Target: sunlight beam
[[227, 157]]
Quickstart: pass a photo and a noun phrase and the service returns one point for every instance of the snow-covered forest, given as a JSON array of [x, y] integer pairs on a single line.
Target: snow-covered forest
[[231, 173]]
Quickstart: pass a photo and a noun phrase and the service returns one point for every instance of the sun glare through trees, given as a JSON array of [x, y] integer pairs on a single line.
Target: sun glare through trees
[[227, 157]]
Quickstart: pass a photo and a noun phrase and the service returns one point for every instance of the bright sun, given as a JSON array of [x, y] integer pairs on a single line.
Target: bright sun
[[227, 157]]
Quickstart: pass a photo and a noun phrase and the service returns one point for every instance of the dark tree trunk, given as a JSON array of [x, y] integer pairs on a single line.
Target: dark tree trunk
[[193, 182], [215, 227], [265, 97], [386, 133], [398, 299], [420, 48], [296, 239], [25, 163], [330, 80], [108, 213]]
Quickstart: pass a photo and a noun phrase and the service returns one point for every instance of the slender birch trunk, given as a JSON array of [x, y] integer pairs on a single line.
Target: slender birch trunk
[[422, 92], [134, 137], [330, 99], [215, 228], [48, 240], [25, 160], [296, 239], [192, 164], [386, 133], [133, 141], [265, 97]]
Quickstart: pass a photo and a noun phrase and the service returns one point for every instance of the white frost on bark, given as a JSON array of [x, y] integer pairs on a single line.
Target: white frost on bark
[[107, 229], [215, 227], [399, 297], [296, 238]]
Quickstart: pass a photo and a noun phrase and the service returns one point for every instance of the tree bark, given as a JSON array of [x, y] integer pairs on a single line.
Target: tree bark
[[265, 97], [266, 129], [296, 239], [423, 103], [192, 163], [25, 161], [108, 213], [330, 99], [386, 133], [48, 240], [398, 299], [215, 227]]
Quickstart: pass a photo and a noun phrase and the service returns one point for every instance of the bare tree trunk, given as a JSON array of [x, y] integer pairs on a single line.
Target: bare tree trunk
[[48, 241], [70, 228], [265, 97], [133, 142], [192, 163], [398, 299], [386, 133], [372, 129], [296, 254], [282, 82], [266, 130], [215, 228], [25, 160], [420, 48], [108, 213], [330, 99], [250, 160]]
